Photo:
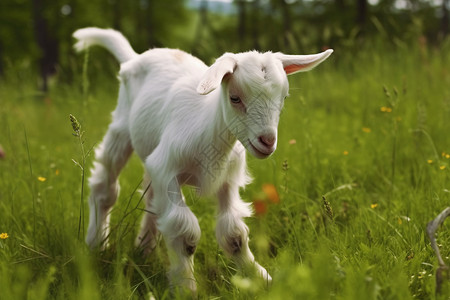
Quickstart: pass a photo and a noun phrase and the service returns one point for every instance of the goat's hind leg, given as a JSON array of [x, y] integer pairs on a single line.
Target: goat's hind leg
[[147, 238], [110, 157]]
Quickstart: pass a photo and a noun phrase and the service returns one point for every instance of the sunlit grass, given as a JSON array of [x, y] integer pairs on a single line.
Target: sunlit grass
[[362, 165]]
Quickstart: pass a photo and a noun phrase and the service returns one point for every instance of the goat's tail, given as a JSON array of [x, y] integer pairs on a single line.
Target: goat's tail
[[110, 39]]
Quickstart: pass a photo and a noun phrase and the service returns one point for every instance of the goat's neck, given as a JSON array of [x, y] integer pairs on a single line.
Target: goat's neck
[[222, 137]]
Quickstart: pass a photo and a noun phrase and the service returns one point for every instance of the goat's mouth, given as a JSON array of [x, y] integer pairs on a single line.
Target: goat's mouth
[[258, 153]]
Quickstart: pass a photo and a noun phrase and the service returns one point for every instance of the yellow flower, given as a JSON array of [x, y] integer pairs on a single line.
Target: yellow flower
[[442, 167], [386, 109], [373, 205], [292, 142], [447, 155], [4, 236], [366, 129], [430, 161], [345, 152], [41, 179]]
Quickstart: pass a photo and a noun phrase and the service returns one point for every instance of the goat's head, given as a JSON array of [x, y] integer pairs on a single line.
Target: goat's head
[[253, 88]]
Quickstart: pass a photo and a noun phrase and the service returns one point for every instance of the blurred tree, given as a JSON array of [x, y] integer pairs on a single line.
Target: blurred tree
[[445, 17], [287, 24], [202, 25], [1, 60], [47, 42], [361, 18], [255, 24], [242, 19], [34, 33]]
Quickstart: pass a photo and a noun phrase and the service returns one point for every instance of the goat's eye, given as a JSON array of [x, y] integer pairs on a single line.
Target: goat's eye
[[235, 99]]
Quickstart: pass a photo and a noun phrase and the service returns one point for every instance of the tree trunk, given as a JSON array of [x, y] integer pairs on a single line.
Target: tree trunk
[[48, 45], [242, 29], [256, 25], [287, 24], [361, 17], [445, 18], [151, 40], [116, 15], [340, 5], [1, 59], [202, 24]]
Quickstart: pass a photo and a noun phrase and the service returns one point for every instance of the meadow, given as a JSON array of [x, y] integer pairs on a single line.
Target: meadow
[[362, 165]]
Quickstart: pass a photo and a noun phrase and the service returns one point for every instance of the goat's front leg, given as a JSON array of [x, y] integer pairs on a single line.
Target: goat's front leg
[[178, 226], [232, 233]]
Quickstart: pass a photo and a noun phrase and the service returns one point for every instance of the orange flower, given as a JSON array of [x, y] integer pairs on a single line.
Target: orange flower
[[271, 192], [260, 207]]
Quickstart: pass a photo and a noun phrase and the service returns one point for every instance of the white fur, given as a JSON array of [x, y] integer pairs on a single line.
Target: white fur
[[178, 115]]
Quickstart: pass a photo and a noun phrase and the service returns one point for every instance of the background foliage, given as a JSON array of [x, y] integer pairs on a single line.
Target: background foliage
[[363, 158], [36, 35]]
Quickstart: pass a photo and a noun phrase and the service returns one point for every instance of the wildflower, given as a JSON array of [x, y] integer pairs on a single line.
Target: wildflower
[[386, 92], [430, 161], [374, 205], [442, 167], [345, 152], [285, 165], [386, 109], [243, 283], [260, 207], [422, 274], [366, 129], [76, 126], [4, 236], [292, 142], [271, 192], [328, 208], [56, 172], [41, 179]]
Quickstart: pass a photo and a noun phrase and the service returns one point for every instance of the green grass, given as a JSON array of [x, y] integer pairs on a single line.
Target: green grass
[[382, 174]]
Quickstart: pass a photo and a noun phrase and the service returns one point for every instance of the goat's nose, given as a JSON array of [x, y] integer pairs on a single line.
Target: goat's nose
[[268, 140]]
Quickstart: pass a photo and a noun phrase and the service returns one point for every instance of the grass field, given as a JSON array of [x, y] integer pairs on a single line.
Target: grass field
[[367, 131]]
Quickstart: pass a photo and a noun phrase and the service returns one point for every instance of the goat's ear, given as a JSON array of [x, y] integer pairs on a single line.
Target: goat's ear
[[301, 63], [214, 75]]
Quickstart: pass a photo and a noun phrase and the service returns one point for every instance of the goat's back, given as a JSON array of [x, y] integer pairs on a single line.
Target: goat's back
[[170, 64], [161, 91]]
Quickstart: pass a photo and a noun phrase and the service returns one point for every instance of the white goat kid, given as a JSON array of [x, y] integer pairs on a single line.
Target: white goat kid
[[189, 124]]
